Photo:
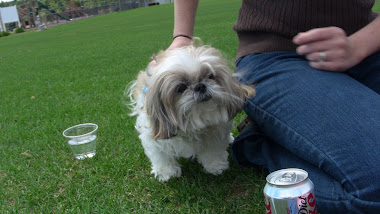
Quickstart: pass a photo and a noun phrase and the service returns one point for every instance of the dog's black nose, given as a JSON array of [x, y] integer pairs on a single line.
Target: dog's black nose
[[200, 87], [201, 92]]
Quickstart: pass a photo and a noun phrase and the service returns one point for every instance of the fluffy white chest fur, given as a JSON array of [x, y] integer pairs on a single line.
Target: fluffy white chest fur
[[185, 106]]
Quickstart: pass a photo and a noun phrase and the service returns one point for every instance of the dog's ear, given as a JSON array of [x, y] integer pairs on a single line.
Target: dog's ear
[[246, 91], [239, 91], [243, 92], [161, 112]]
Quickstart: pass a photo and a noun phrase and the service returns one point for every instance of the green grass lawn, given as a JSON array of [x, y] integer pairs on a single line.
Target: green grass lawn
[[77, 73], [376, 7]]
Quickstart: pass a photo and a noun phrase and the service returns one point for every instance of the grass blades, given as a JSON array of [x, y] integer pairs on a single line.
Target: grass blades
[[77, 73]]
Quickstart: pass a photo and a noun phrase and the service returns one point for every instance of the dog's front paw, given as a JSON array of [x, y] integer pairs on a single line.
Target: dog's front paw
[[163, 174], [214, 163], [216, 167]]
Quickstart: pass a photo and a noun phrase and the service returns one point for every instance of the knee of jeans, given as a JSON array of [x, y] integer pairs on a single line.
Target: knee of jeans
[[366, 196], [369, 192], [364, 200], [366, 204]]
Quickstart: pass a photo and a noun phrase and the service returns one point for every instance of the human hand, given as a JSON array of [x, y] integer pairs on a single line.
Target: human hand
[[177, 43], [327, 49]]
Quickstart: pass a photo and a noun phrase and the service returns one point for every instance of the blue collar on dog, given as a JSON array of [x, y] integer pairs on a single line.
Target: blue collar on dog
[[145, 88]]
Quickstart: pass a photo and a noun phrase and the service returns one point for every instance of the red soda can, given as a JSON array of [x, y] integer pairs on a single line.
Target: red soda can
[[289, 191]]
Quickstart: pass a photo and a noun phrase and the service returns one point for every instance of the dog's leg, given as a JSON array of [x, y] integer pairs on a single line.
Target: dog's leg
[[164, 166], [213, 156]]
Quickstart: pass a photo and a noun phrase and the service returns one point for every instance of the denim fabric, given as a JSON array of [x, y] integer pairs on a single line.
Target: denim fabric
[[326, 123]]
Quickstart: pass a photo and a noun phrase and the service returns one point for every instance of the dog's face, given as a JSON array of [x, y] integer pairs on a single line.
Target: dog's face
[[191, 88]]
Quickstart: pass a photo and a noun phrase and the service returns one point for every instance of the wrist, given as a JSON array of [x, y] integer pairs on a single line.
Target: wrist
[[366, 40], [180, 42], [182, 36], [360, 50]]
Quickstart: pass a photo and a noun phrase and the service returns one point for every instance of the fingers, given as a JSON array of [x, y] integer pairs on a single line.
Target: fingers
[[320, 39], [317, 56], [318, 34], [326, 60], [335, 40], [153, 63], [315, 47], [327, 55], [327, 66], [325, 48]]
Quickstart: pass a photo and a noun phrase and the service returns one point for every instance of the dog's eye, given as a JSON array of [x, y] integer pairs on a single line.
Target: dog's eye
[[181, 88], [211, 76]]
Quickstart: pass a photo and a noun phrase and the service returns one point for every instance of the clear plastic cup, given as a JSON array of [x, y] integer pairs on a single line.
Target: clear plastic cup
[[82, 140]]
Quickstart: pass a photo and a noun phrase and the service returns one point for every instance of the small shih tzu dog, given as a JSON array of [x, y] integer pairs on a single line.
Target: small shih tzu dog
[[184, 106]]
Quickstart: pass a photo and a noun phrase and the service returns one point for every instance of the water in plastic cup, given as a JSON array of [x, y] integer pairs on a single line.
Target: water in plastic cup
[[82, 140]]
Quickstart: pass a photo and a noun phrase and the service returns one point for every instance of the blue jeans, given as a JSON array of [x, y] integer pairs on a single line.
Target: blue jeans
[[327, 123]]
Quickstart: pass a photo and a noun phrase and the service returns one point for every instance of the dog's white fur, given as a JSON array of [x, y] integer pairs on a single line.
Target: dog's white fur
[[184, 107]]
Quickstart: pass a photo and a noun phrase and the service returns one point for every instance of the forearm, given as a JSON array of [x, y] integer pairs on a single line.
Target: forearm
[[367, 40], [184, 16], [184, 19]]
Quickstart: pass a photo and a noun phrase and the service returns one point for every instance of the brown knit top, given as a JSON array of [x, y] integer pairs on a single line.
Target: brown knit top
[[270, 25]]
